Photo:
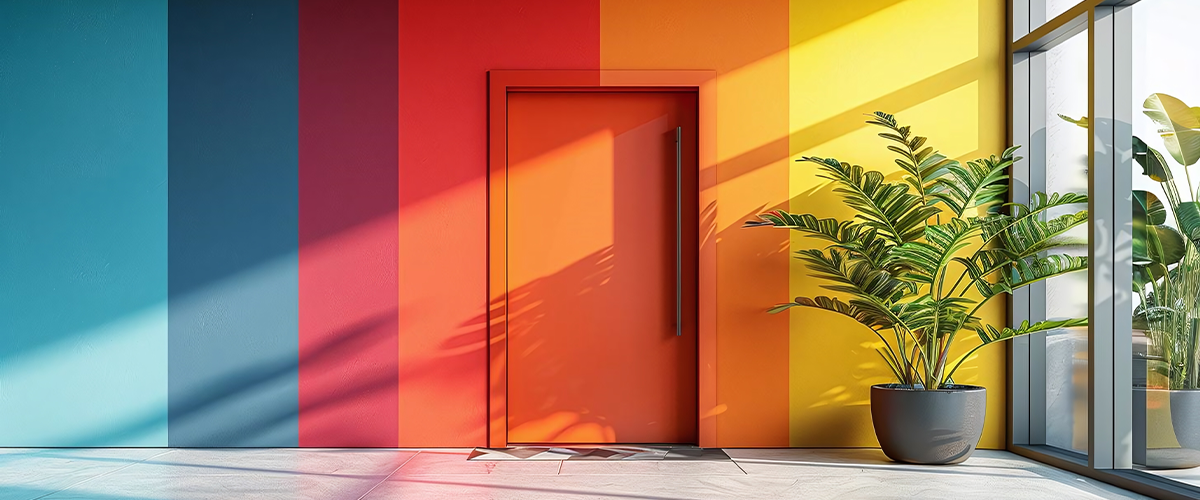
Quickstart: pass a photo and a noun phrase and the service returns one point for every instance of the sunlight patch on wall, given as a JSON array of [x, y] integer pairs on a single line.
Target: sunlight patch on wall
[[879, 54], [581, 171], [77, 391]]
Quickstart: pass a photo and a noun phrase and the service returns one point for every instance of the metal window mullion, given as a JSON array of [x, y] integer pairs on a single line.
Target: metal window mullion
[[1122, 71], [1019, 18], [1019, 413], [1109, 258], [1039, 155]]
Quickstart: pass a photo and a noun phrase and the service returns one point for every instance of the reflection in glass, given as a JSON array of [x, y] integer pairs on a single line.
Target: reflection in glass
[[1067, 296]]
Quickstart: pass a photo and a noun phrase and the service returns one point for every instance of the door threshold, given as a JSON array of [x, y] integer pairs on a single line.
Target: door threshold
[[600, 452]]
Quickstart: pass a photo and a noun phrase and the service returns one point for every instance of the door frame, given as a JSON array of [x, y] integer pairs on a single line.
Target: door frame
[[500, 83]]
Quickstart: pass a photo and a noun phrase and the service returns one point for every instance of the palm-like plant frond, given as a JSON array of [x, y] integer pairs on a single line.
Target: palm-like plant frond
[[891, 261], [980, 182], [1026, 272], [887, 207]]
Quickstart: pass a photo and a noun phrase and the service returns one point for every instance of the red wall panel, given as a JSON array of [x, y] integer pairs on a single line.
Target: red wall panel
[[348, 288], [445, 50]]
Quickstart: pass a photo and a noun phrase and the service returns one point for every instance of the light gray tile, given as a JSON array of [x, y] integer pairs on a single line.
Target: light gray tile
[[455, 462], [30, 473], [167, 483], [271, 474], [652, 468], [345, 462], [580, 486]]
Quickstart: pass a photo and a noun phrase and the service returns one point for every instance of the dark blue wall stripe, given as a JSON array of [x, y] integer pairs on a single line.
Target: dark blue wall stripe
[[83, 223], [233, 217]]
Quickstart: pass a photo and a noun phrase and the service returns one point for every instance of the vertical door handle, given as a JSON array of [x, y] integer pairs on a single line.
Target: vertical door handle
[[678, 231]]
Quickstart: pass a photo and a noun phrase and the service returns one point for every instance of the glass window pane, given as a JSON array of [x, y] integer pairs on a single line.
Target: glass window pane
[[1056, 7], [1067, 296], [1166, 312]]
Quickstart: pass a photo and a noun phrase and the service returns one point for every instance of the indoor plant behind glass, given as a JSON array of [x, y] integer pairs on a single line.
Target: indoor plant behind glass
[[1166, 263], [914, 266]]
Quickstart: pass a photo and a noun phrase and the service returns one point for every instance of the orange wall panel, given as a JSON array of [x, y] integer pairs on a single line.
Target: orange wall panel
[[746, 43]]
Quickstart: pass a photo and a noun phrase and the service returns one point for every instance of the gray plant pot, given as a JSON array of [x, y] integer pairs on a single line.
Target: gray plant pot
[[1143, 414], [928, 427], [1185, 417]]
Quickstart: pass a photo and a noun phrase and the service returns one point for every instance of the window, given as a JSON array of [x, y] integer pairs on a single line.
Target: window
[[1121, 400]]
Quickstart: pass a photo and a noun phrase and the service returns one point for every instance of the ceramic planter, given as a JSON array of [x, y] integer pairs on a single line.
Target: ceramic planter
[[1185, 417], [1153, 410], [928, 427]]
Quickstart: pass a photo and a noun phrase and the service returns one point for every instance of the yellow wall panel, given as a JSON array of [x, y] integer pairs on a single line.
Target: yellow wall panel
[[939, 65]]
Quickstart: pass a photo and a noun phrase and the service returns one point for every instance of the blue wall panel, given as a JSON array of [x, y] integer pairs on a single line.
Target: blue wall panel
[[83, 223], [233, 216]]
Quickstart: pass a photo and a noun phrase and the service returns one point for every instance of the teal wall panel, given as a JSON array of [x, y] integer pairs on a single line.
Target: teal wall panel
[[83, 223]]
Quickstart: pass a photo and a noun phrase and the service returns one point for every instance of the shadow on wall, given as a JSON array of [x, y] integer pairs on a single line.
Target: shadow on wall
[[542, 311]]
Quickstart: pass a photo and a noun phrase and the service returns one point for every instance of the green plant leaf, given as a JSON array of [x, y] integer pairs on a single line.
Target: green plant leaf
[[1081, 121], [922, 261], [1188, 214], [887, 207], [1152, 241], [989, 335], [854, 276], [1148, 208], [1024, 272], [1179, 126], [922, 164], [891, 260], [1144, 274], [981, 182], [1029, 235], [837, 306], [1153, 164], [1041, 202]]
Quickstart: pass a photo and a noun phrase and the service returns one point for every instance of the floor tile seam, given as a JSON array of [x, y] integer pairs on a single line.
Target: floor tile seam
[[389, 476], [118, 469]]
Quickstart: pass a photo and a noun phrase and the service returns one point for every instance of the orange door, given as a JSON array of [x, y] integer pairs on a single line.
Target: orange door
[[593, 350]]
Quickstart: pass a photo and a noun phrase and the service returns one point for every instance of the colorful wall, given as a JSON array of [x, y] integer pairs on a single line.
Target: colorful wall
[[262, 222]]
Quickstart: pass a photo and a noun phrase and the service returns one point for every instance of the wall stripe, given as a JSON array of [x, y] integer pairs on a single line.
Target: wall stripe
[[83, 198], [746, 43], [446, 49], [233, 216], [348, 290], [832, 363]]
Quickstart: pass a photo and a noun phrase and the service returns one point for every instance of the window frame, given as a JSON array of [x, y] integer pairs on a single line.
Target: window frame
[[1109, 28]]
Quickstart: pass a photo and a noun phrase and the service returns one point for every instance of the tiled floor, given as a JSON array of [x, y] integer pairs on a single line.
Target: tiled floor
[[141, 474]]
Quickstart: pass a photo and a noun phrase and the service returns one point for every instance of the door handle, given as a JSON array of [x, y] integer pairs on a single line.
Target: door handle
[[678, 231]]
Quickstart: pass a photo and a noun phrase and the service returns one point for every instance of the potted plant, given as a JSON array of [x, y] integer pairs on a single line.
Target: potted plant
[[915, 264], [1166, 274]]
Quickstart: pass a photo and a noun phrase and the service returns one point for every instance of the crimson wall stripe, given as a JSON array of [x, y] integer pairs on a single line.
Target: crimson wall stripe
[[446, 49], [348, 288]]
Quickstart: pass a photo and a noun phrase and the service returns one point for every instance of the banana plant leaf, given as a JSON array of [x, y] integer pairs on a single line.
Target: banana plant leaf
[[1154, 242], [1153, 164], [1179, 126], [1188, 213]]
